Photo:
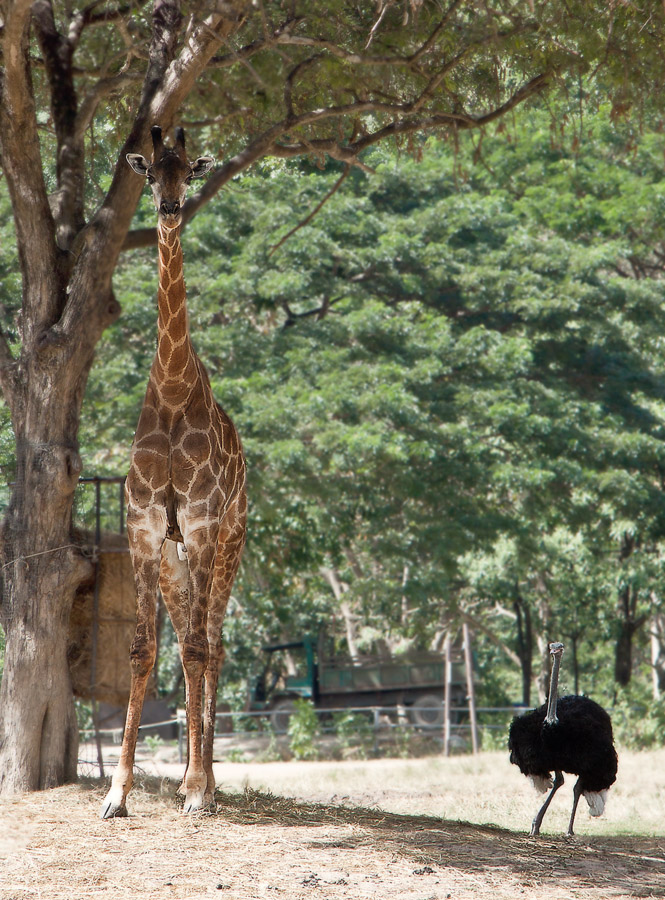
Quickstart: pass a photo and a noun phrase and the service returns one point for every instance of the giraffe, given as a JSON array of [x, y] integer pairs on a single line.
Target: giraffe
[[186, 500]]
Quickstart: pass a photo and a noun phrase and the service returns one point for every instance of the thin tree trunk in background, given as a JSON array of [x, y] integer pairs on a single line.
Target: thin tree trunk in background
[[339, 589], [524, 644], [576, 664], [629, 624], [658, 654], [470, 687], [543, 640]]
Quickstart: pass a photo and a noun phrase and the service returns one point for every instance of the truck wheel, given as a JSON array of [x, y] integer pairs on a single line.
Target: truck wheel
[[281, 715], [427, 711]]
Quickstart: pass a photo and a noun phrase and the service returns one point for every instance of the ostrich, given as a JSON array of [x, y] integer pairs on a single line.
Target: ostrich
[[572, 735]]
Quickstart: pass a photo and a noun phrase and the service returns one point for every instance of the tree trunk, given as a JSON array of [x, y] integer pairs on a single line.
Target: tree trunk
[[41, 569], [658, 653], [543, 639], [339, 589], [39, 738], [629, 624], [623, 652], [524, 644]]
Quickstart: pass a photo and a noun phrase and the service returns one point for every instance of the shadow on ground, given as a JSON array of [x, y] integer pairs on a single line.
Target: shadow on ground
[[624, 864]]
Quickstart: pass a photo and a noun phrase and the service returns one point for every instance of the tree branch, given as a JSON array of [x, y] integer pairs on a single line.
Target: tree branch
[[22, 167], [7, 372], [87, 17], [477, 625], [67, 201], [267, 143], [342, 178]]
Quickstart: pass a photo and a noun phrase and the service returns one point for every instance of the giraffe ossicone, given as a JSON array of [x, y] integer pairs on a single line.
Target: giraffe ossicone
[[186, 499]]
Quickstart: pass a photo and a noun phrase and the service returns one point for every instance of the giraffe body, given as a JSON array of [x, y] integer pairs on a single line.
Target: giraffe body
[[186, 502]]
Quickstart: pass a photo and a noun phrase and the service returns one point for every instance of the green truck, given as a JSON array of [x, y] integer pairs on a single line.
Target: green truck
[[300, 669]]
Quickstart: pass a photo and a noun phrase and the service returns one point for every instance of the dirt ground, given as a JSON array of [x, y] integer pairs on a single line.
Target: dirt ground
[[348, 843]]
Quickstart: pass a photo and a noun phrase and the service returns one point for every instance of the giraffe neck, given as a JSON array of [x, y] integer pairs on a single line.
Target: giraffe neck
[[174, 370]]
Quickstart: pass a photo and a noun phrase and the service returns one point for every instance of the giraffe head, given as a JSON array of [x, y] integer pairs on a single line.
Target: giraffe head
[[169, 174]]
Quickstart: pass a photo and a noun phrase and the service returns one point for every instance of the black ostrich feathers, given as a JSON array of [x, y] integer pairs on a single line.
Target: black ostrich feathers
[[581, 743], [572, 734]]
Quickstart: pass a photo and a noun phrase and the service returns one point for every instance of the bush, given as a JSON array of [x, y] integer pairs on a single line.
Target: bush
[[638, 727], [303, 728], [355, 730]]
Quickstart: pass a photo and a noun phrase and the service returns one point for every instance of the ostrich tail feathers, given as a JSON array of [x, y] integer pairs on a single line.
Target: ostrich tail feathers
[[541, 784], [596, 801]]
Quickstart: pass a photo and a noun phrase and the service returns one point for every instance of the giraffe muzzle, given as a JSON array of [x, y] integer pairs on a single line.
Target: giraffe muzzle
[[170, 210]]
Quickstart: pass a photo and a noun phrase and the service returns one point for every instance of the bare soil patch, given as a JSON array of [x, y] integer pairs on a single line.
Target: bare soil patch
[[258, 845]]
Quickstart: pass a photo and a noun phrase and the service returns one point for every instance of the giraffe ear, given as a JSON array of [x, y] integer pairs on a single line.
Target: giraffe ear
[[202, 166], [139, 163]]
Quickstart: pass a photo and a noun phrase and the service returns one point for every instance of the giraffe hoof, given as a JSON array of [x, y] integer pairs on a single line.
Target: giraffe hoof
[[113, 806], [195, 803], [113, 811]]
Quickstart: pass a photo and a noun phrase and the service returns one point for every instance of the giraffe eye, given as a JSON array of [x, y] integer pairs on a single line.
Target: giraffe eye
[[151, 178]]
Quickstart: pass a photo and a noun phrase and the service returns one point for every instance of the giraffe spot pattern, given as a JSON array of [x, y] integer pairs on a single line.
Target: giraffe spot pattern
[[186, 478]]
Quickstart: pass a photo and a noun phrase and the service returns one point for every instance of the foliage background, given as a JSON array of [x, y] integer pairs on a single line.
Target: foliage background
[[449, 386]]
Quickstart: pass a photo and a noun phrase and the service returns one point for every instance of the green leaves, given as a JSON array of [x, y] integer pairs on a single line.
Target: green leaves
[[451, 370]]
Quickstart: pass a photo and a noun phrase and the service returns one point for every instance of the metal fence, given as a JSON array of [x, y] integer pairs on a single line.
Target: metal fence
[[381, 725]]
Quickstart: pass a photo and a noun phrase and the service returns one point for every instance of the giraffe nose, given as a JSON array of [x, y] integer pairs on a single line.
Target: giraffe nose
[[169, 207]]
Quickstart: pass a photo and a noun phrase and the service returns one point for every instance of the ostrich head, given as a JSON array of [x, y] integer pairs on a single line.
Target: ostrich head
[[556, 652]]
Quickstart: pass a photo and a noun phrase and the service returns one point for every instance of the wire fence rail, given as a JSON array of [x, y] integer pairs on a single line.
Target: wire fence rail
[[378, 724]]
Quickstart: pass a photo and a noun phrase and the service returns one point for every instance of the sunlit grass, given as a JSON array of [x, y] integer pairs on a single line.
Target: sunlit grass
[[484, 789]]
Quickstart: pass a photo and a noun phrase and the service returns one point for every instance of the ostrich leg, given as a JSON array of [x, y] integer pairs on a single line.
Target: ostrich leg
[[577, 793], [537, 822]]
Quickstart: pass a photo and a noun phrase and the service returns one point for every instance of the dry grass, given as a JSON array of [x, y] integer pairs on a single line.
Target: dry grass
[[374, 836]]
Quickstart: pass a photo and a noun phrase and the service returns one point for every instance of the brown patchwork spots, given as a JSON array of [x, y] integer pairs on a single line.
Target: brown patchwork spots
[[186, 479]]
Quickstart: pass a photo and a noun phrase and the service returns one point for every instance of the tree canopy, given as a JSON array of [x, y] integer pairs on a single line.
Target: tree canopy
[[448, 384]]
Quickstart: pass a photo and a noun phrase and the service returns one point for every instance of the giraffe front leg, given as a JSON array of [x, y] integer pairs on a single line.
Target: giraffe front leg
[[142, 659], [174, 585], [227, 560], [216, 658], [195, 659]]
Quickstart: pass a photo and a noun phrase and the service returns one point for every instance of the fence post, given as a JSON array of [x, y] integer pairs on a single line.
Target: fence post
[[448, 677], [470, 689]]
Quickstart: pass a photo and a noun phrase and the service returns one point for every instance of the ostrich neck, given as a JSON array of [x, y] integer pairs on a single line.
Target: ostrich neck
[[551, 718]]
